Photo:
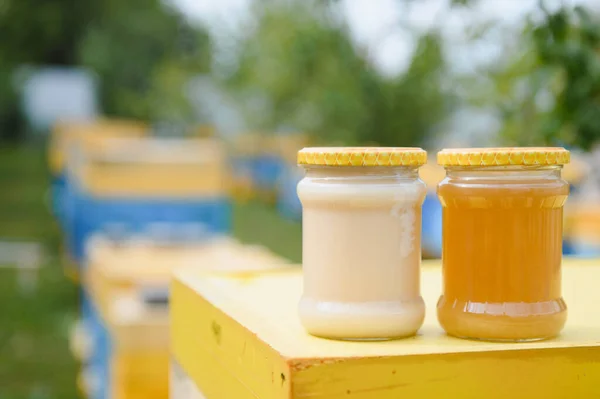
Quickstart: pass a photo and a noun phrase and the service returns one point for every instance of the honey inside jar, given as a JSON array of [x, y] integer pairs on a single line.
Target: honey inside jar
[[361, 242], [502, 244]]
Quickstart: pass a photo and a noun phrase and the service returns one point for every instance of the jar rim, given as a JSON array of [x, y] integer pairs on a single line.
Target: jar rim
[[362, 156], [503, 156]]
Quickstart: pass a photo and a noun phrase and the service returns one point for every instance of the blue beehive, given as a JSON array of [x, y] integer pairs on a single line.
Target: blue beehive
[[64, 136], [288, 202], [133, 183], [431, 239]]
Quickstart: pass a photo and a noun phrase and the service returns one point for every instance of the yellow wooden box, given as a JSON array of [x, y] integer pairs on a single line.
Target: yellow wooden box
[[432, 173], [286, 146], [242, 189], [65, 134], [203, 131], [114, 267], [141, 167], [247, 144], [116, 274], [239, 337], [582, 221]]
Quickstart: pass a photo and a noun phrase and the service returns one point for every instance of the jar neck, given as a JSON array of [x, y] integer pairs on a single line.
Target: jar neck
[[505, 172], [321, 171]]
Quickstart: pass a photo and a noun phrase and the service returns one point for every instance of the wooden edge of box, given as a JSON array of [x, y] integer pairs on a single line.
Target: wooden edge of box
[[204, 336], [207, 343]]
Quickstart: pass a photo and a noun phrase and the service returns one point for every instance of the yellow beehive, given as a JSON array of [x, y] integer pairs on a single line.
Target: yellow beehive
[[153, 167], [249, 143], [121, 266], [116, 277], [65, 134], [576, 170], [287, 146], [241, 338], [244, 148], [582, 222], [432, 173], [203, 131]]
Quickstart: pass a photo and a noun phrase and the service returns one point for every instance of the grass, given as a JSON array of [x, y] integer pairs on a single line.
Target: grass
[[35, 362], [256, 223]]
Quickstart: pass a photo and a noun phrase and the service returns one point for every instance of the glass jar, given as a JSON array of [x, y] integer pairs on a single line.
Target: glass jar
[[361, 246], [502, 243]]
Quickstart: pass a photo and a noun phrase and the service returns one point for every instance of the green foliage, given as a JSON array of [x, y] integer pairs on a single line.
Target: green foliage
[[308, 71], [408, 108], [518, 88], [569, 41], [142, 50], [546, 91], [462, 3], [34, 32], [143, 53], [43, 32], [34, 354], [303, 62]]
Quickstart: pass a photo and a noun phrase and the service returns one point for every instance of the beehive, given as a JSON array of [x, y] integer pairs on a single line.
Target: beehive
[[131, 332], [135, 182], [239, 337], [245, 149], [171, 168], [65, 136]]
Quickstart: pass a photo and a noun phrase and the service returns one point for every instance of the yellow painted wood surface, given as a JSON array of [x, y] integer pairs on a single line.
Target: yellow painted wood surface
[[242, 189], [582, 221], [142, 260], [240, 337], [203, 131], [139, 333], [65, 134], [153, 167], [248, 143], [287, 146], [118, 271], [140, 375], [432, 173]]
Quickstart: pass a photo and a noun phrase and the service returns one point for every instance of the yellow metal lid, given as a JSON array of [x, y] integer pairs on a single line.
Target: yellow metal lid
[[503, 156], [362, 156]]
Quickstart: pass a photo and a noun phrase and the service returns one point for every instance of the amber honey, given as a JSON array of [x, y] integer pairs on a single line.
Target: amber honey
[[502, 250]]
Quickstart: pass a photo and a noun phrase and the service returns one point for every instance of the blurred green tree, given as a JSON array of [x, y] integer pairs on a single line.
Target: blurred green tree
[[514, 86], [143, 52], [407, 109], [35, 32], [140, 49], [568, 41], [546, 86], [300, 59]]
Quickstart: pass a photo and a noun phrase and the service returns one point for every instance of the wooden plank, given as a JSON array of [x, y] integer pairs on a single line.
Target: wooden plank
[[248, 324]]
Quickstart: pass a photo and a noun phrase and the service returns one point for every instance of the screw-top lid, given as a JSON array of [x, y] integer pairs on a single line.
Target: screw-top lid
[[503, 156], [362, 156]]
